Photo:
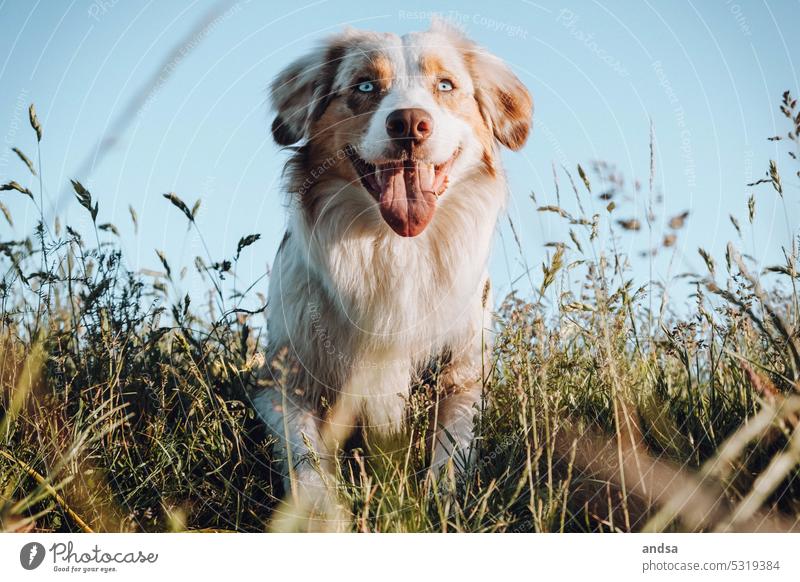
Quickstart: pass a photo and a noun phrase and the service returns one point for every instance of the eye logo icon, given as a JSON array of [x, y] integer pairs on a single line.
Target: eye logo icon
[[31, 555]]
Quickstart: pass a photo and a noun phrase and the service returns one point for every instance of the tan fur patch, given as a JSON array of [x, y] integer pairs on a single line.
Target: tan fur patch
[[324, 158], [466, 107], [380, 68], [431, 66], [376, 68], [462, 105], [504, 100]]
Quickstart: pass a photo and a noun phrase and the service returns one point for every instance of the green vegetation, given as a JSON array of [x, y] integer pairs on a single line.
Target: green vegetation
[[124, 407]]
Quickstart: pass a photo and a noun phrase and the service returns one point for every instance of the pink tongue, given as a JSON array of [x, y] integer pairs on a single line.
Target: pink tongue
[[407, 198]]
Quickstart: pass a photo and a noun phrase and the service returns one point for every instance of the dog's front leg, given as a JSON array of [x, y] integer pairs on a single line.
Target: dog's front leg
[[455, 417], [461, 388], [382, 389], [308, 458], [308, 448]]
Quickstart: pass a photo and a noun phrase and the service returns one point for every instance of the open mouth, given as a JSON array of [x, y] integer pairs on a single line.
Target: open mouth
[[406, 190]]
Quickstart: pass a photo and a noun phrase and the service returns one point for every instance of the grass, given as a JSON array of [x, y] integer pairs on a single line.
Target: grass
[[125, 407]]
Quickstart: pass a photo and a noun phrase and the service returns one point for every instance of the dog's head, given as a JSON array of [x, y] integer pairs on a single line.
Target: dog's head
[[403, 117]]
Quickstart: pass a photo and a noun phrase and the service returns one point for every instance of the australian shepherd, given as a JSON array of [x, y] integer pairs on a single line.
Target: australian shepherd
[[395, 185]]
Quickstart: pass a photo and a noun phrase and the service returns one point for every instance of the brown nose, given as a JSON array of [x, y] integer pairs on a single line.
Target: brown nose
[[411, 126]]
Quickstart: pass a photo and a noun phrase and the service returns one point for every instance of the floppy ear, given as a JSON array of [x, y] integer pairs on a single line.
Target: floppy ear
[[504, 101], [301, 92]]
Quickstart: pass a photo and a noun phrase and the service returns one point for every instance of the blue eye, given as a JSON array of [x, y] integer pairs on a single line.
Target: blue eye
[[445, 85], [366, 87]]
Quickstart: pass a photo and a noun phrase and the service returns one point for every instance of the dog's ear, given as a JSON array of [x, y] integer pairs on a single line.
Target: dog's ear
[[301, 92], [505, 103]]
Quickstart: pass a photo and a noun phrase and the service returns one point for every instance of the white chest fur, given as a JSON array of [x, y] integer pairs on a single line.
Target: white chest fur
[[405, 293]]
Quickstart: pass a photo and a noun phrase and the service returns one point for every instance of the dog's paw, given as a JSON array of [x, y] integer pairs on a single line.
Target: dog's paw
[[311, 504]]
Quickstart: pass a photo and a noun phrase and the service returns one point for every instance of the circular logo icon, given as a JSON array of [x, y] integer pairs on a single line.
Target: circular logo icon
[[31, 555]]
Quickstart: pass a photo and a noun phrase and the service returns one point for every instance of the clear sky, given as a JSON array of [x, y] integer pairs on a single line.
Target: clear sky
[[708, 74]]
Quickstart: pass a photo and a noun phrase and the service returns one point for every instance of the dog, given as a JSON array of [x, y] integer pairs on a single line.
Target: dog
[[395, 187]]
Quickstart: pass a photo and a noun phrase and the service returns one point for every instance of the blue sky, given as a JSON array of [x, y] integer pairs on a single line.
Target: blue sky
[[708, 74]]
